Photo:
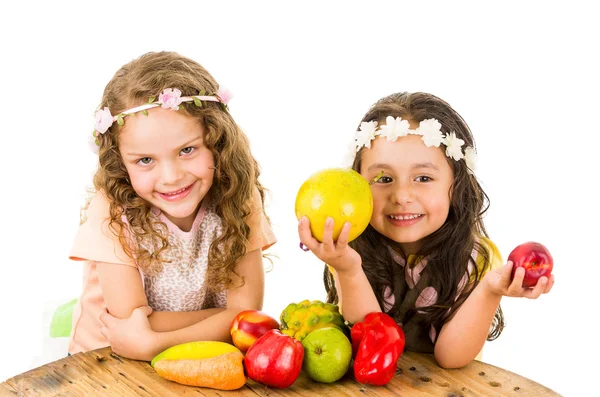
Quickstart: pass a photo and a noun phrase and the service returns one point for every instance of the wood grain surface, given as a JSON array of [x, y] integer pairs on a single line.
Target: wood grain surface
[[103, 373]]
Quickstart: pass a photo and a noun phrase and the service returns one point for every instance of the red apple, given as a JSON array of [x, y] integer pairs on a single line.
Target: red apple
[[250, 325], [535, 259], [275, 359]]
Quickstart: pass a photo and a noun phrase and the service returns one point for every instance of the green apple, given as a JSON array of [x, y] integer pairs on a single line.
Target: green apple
[[327, 354]]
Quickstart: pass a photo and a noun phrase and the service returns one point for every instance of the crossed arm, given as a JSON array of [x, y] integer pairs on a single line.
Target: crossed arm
[[134, 331]]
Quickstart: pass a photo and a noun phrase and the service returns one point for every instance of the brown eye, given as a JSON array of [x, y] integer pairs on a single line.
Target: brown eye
[[384, 179], [423, 178]]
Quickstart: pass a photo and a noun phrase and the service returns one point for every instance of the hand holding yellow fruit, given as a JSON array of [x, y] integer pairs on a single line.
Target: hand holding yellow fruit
[[340, 193]]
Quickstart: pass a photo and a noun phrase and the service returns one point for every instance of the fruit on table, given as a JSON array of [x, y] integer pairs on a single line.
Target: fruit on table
[[535, 259], [299, 319], [378, 343], [274, 359], [340, 193], [248, 326], [195, 350], [327, 354], [216, 365]]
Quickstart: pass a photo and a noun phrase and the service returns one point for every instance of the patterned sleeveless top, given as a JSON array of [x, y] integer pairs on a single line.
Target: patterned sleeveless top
[[181, 284], [413, 292]]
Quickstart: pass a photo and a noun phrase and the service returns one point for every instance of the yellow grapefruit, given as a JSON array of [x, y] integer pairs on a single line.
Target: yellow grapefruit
[[340, 193]]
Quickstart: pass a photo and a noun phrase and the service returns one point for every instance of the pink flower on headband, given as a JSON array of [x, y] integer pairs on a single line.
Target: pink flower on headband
[[170, 98], [103, 120], [224, 94]]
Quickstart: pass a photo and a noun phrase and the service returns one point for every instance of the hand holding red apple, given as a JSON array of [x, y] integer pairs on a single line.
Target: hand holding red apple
[[534, 279], [535, 259]]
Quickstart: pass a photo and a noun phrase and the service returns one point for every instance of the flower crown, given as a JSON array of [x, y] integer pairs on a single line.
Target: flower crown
[[431, 135], [170, 98]]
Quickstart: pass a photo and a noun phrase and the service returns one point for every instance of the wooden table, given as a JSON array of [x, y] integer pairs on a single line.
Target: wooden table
[[101, 372]]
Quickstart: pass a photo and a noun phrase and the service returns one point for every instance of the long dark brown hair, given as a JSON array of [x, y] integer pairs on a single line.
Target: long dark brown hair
[[449, 249], [236, 174]]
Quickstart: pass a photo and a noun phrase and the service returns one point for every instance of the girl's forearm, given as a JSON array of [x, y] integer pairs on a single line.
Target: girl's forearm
[[462, 338], [357, 297], [171, 321], [213, 328]]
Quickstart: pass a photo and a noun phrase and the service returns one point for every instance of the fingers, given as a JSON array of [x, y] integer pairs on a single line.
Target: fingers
[[328, 244], [105, 318], [550, 284], [516, 286], [142, 311], [105, 332], [342, 240], [535, 292], [305, 234], [506, 272]]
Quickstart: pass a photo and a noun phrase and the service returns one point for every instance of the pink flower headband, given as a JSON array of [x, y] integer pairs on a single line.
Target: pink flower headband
[[170, 98]]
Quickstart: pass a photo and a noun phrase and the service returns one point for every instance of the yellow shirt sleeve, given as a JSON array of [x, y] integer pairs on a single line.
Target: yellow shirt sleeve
[[493, 253]]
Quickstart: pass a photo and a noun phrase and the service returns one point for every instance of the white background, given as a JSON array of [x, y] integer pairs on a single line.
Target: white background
[[523, 75]]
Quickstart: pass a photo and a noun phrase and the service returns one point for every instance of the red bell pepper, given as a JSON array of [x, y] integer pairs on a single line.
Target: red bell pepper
[[377, 344]]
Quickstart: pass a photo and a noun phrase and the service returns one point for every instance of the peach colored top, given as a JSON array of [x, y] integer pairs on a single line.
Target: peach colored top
[[180, 286]]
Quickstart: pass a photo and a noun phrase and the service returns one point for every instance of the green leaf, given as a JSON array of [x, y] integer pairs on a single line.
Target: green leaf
[[197, 102], [60, 327], [151, 100], [202, 92], [145, 112], [120, 120]]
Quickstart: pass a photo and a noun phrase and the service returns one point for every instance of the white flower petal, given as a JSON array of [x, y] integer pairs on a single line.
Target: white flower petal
[[394, 128], [349, 156], [454, 146], [365, 134], [431, 129], [471, 158]]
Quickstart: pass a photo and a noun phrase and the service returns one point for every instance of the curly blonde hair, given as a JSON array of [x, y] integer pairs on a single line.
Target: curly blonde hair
[[236, 175]]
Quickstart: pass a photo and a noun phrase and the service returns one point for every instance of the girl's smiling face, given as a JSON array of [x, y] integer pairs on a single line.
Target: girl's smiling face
[[168, 164], [411, 199]]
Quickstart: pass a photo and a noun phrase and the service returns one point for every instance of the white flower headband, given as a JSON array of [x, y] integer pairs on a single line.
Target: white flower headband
[[430, 131], [170, 98]]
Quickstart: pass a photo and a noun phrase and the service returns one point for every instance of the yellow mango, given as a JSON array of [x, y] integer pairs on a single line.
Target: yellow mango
[[195, 351]]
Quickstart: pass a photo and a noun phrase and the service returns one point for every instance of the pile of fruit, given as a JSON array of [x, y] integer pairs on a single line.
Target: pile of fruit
[[310, 336]]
